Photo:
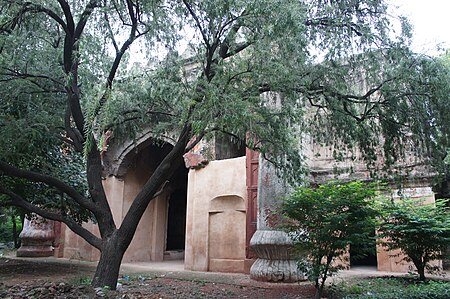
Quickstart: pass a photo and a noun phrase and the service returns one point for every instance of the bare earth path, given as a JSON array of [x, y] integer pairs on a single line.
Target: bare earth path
[[58, 278], [41, 278]]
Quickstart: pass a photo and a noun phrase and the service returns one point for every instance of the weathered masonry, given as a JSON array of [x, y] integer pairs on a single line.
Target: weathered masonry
[[215, 213]]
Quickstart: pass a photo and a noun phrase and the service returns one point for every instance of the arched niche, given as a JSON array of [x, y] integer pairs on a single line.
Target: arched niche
[[226, 225], [227, 202]]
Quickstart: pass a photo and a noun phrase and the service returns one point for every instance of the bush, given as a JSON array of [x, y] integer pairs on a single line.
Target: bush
[[325, 221], [390, 288], [421, 231], [6, 228]]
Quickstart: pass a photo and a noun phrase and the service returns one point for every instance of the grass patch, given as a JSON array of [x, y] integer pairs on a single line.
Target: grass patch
[[389, 288], [84, 280]]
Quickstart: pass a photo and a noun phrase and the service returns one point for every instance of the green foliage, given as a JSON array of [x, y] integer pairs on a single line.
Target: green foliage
[[238, 49], [325, 221], [275, 70], [421, 231], [389, 288], [84, 280], [6, 226]]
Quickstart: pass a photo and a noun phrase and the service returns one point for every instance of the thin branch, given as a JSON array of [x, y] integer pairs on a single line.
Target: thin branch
[[111, 33], [327, 22], [48, 180], [72, 132], [238, 49], [225, 46], [68, 14], [50, 13], [18, 74], [161, 190], [84, 17], [164, 170], [192, 143], [123, 49], [73, 225], [197, 22], [119, 13], [66, 140]]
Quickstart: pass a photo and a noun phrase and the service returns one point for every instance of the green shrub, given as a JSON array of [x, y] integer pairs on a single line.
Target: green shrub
[[324, 221], [390, 288], [421, 231], [6, 228]]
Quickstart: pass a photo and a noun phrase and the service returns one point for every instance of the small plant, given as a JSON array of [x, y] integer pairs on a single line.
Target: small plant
[[10, 226], [421, 231], [102, 291], [389, 288], [84, 280], [324, 221]]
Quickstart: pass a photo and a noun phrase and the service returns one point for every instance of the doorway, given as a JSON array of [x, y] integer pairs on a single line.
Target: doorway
[[364, 255], [176, 216]]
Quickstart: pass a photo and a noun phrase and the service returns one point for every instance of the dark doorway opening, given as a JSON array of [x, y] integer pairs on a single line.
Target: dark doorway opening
[[227, 147], [364, 255], [176, 226], [176, 215]]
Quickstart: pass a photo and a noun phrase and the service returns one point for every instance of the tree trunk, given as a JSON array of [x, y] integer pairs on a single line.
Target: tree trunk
[[318, 293], [421, 271], [420, 266], [14, 231], [108, 267]]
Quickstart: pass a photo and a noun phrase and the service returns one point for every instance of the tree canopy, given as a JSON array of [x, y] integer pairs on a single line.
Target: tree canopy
[[275, 70]]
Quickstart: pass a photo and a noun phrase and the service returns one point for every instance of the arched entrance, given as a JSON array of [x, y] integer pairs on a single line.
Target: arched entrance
[[160, 234]]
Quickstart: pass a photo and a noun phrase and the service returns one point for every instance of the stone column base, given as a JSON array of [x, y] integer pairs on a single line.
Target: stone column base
[[35, 251], [37, 237], [274, 263], [275, 271]]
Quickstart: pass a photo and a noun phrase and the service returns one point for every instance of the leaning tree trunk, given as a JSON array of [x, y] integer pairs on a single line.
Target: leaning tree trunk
[[421, 271], [420, 265], [108, 267]]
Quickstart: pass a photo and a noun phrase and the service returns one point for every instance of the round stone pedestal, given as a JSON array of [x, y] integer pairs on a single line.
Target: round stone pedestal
[[37, 237], [274, 263]]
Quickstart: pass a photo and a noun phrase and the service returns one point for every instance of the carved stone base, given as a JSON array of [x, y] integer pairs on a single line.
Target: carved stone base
[[274, 263], [37, 238], [35, 251], [275, 271]]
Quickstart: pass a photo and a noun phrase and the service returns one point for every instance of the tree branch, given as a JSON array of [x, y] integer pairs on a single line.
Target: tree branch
[[84, 17], [13, 73], [111, 33], [123, 49], [73, 225], [51, 181], [72, 132], [68, 14], [50, 13], [197, 22], [164, 170], [329, 22]]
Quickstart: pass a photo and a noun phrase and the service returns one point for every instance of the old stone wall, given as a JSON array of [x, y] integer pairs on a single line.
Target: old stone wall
[[216, 217]]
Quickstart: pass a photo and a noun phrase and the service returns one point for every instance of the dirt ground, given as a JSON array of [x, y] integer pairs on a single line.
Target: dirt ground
[[27, 278]]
